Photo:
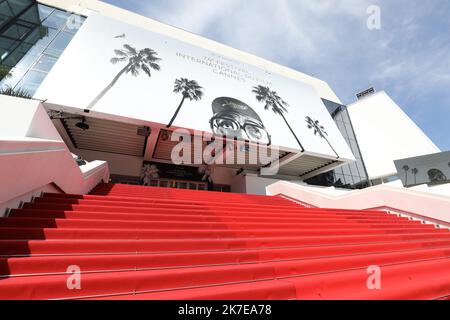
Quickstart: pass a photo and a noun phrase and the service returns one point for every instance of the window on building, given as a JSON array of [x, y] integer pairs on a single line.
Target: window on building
[[32, 38]]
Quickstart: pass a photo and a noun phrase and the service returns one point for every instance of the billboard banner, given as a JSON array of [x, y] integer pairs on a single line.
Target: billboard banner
[[120, 69], [430, 169]]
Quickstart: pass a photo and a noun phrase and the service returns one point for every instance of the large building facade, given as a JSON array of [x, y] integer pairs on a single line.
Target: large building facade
[[106, 108], [315, 199]]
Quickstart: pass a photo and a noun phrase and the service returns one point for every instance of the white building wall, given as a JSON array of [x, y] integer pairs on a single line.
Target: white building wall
[[250, 183], [426, 206], [257, 185], [35, 159], [25, 118], [238, 184], [441, 189], [385, 133], [119, 164]]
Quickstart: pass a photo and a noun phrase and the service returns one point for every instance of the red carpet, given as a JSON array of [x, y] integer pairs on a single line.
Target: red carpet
[[148, 243]]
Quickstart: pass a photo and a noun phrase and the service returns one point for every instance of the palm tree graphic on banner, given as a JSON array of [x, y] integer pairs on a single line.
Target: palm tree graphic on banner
[[406, 169], [319, 130], [143, 60], [190, 89], [272, 101], [415, 171]]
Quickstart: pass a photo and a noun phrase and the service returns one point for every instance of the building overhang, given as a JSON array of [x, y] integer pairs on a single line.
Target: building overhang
[[113, 134]]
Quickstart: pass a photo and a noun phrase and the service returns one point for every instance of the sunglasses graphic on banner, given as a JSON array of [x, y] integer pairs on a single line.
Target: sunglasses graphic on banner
[[235, 119]]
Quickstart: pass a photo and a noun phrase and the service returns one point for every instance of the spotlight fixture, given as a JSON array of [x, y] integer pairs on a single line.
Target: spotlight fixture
[[55, 115], [59, 115], [144, 131], [165, 135], [82, 125]]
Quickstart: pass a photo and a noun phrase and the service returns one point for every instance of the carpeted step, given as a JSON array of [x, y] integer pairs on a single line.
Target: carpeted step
[[90, 199], [301, 263], [83, 233], [143, 224], [257, 290], [71, 246], [134, 242], [202, 211], [37, 213], [55, 286], [402, 281]]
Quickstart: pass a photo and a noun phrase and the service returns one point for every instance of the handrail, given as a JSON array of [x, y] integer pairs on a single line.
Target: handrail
[[412, 215], [428, 206]]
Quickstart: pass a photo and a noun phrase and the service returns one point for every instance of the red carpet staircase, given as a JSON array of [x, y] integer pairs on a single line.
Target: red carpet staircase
[[148, 243]]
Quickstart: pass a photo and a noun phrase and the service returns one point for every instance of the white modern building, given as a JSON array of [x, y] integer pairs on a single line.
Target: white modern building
[[396, 134], [58, 62], [96, 100]]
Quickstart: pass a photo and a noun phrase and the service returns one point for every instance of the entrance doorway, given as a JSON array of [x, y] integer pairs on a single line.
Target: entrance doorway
[[178, 184]]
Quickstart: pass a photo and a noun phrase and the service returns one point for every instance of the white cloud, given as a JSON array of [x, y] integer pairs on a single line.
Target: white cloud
[[275, 29], [324, 37]]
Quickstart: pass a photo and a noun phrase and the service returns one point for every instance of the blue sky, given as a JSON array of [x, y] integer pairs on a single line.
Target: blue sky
[[409, 57]]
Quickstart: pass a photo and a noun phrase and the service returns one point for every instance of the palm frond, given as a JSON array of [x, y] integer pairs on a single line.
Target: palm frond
[[117, 60], [4, 72], [259, 98], [151, 58], [149, 54], [120, 53], [318, 128], [19, 93], [134, 70], [189, 88], [261, 91], [278, 104], [130, 50], [271, 99], [198, 95], [155, 66], [146, 69]]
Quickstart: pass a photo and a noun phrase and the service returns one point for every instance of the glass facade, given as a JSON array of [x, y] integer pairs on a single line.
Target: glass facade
[[353, 175], [32, 38]]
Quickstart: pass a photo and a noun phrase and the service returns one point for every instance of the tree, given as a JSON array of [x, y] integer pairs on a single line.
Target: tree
[[319, 130], [142, 60], [415, 171], [406, 169], [19, 93], [272, 101], [7, 89], [4, 73], [189, 89]]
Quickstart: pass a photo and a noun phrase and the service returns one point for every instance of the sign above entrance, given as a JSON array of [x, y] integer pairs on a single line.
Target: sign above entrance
[[173, 172], [156, 78]]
